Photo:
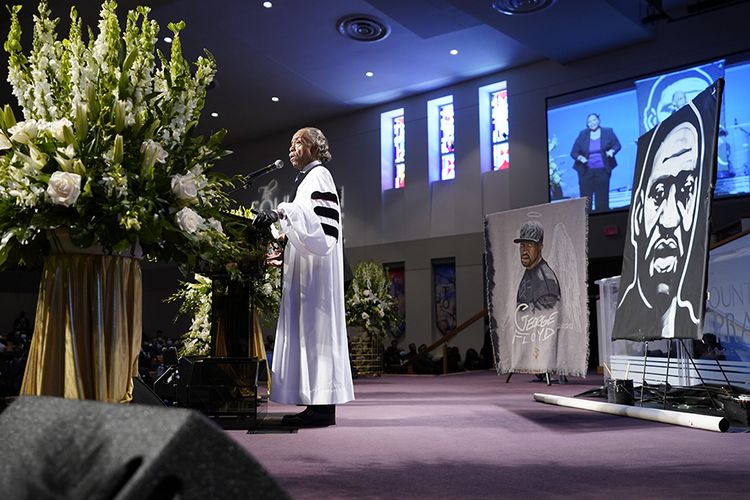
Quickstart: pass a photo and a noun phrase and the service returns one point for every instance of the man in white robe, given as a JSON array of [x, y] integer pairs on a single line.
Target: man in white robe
[[311, 355]]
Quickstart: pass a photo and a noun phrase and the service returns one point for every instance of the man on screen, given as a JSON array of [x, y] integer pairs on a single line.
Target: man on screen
[[663, 220]]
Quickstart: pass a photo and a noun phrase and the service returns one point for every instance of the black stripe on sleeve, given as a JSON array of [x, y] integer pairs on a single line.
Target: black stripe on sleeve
[[330, 230], [330, 213], [318, 195]]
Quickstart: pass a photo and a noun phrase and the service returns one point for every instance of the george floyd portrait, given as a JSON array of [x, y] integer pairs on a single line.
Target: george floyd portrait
[[662, 288], [537, 313], [536, 288]]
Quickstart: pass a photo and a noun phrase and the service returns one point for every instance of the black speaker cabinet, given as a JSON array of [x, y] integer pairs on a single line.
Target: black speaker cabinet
[[224, 389], [61, 448]]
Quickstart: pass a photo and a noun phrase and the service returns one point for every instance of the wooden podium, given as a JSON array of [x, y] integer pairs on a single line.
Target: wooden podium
[[224, 386], [233, 329]]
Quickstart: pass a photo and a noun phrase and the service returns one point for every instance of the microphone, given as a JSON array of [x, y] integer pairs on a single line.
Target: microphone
[[265, 170]]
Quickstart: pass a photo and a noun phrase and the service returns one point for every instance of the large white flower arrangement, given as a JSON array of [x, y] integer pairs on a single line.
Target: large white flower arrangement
[[106, 147], [369, 304]]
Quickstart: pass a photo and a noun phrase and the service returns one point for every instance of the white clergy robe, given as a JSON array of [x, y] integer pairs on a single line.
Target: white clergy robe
[[311, 355]]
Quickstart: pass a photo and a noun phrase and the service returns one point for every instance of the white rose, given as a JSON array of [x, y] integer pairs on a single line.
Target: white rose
[[64, 188], [183, 186], [24, 131], [188, 220], [365, 316]]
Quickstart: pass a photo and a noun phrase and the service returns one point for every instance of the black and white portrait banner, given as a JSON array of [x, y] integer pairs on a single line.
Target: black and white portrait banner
[[663, 283], [536, 280]]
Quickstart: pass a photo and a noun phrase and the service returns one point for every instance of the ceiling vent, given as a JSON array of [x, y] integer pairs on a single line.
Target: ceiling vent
[[362, 28], [518, 7]]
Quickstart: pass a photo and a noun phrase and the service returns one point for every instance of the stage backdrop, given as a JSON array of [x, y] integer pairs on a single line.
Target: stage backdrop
[[536, 288], [663, 284]]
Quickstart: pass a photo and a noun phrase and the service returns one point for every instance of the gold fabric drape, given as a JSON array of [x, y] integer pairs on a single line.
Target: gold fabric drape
[[258, 347], [87, 332]]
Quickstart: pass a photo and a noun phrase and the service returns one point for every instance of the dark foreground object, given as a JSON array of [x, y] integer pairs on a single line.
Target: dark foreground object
[[58, 448]]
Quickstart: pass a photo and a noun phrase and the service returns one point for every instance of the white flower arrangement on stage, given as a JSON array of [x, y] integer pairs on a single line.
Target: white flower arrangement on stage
[[196, 302], [196, 298], [369, 304], [106, 147]]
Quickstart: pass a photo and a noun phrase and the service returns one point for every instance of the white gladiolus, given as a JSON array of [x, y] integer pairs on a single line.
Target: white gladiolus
[[64, 188], [183, 186], [188, 220]]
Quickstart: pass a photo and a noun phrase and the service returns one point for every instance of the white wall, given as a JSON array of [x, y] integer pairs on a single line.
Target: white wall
[[422, 221]]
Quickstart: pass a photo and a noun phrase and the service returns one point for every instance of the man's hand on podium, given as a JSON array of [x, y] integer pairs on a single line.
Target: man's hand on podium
[[265, 218]]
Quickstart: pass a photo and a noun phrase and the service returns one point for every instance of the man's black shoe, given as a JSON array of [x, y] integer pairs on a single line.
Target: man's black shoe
[[313, 416], [301, 414]]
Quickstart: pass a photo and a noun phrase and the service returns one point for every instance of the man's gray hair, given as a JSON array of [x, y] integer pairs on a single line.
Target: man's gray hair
[[324, 155]]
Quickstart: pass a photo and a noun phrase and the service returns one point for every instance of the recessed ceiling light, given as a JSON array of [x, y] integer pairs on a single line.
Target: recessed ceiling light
[[215, 114], [363, 28], [369, 74], [275, 99], [453, 52], [520, 7], [168, 39], [267, 5]]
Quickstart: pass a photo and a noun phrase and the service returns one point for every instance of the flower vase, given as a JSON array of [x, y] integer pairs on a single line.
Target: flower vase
[[87, 330]]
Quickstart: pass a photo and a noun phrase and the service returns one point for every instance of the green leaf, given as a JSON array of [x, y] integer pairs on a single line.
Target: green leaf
[[9, 118]]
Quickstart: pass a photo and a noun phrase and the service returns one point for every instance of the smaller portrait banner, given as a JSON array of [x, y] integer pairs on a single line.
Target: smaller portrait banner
[[536, 288]]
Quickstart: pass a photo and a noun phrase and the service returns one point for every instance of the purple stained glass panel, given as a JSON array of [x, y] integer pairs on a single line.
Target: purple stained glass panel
[[447, 146], [500, 130], [399, 151]]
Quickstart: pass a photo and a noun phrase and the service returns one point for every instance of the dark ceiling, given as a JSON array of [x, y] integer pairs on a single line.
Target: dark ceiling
[[294, 50]]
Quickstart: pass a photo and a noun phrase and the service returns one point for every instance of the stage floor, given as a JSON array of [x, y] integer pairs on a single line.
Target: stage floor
[[471, 435]]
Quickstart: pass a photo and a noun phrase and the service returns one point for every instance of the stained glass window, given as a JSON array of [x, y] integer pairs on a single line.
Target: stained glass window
[[499, 124], [447, 134], [399, 152]]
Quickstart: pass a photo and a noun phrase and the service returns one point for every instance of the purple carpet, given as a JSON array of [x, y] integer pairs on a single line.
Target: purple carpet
[[471, 435]]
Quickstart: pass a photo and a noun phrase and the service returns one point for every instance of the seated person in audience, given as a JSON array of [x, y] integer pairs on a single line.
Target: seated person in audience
[[392, 358], [471, 360]]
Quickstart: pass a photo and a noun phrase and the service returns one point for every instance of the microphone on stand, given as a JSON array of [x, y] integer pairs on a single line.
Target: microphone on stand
[[249, 178], [263, 171]]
